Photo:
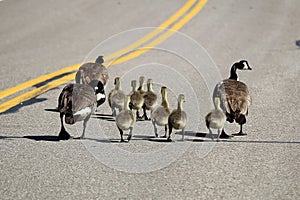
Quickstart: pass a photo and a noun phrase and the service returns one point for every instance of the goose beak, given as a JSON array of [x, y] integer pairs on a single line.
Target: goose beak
[[249, 68]]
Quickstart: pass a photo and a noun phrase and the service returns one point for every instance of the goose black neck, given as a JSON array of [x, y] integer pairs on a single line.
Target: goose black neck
[[233, 74]]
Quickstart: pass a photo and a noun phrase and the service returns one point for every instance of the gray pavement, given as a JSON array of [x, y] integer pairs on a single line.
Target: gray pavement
[[40, 37]]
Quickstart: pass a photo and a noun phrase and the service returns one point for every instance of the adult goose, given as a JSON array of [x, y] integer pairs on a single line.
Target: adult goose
[[116, 97], [77, 102], [160, 114], [215, 119], [136, 99], [92, 71], [125, 119], [234, 96], [150, 98], [178, 118]]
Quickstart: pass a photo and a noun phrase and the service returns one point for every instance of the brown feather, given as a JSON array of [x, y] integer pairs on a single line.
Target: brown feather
[[234, 96], [92, 71]]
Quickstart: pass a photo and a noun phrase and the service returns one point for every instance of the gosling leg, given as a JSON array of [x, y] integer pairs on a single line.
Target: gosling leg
[[166, 129], [130, 134], [211, 134], [219, 131], [121, 134], [145, 113], [113, 110], [170, 132], [155, 129]]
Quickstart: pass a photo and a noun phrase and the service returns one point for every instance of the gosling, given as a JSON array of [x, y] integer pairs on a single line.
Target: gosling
[[215, 119], [125, 120], [160, 115], [150, 99], [136, 99], [178, 118], [116, 97]]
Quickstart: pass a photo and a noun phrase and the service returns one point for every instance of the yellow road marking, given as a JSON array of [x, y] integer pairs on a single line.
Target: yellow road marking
[[35, 81], [35, 92], [163, 37], [30, 83], [151, 35]]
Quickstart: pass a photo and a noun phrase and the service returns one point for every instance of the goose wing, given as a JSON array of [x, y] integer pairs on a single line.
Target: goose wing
[[83, 97], [92, 71], [234, 96], [65, 99]]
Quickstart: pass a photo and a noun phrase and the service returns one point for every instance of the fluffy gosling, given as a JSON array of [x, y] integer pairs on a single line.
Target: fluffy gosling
[[116, 97], [178, 118], [160, 114], [215, 119], [125, 119], [150, 99], [136, 99]]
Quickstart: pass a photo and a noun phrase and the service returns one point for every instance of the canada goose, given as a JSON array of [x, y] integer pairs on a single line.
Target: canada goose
[[77, 102], [116, 97], [136, 99], [150, 98], [215, 119], [177, 118], [125, 119], [234, 96], [92, 71], [160, 114]]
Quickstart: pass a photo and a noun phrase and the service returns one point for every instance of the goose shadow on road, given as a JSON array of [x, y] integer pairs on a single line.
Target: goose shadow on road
[[106, 117]]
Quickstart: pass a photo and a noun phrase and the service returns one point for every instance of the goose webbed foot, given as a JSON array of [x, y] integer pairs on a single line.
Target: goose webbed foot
[[224, 135], [63, 135], [239, 134]]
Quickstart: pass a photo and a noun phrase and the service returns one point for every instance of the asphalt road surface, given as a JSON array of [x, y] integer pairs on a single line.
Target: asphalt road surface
[[40, 37]]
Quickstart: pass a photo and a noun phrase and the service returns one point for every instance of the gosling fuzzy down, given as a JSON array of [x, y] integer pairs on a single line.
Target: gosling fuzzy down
[[178, 118], [215, 119], [160, 114], [116, 97], [234, 96], [150, 99], [125, 120], [136, 99]]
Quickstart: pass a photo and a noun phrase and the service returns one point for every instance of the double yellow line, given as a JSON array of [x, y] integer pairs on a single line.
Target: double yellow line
[[182, 16]]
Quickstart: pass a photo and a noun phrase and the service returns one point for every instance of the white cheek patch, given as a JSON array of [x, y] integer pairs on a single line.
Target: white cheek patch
[[100, 96], [245, 66]]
